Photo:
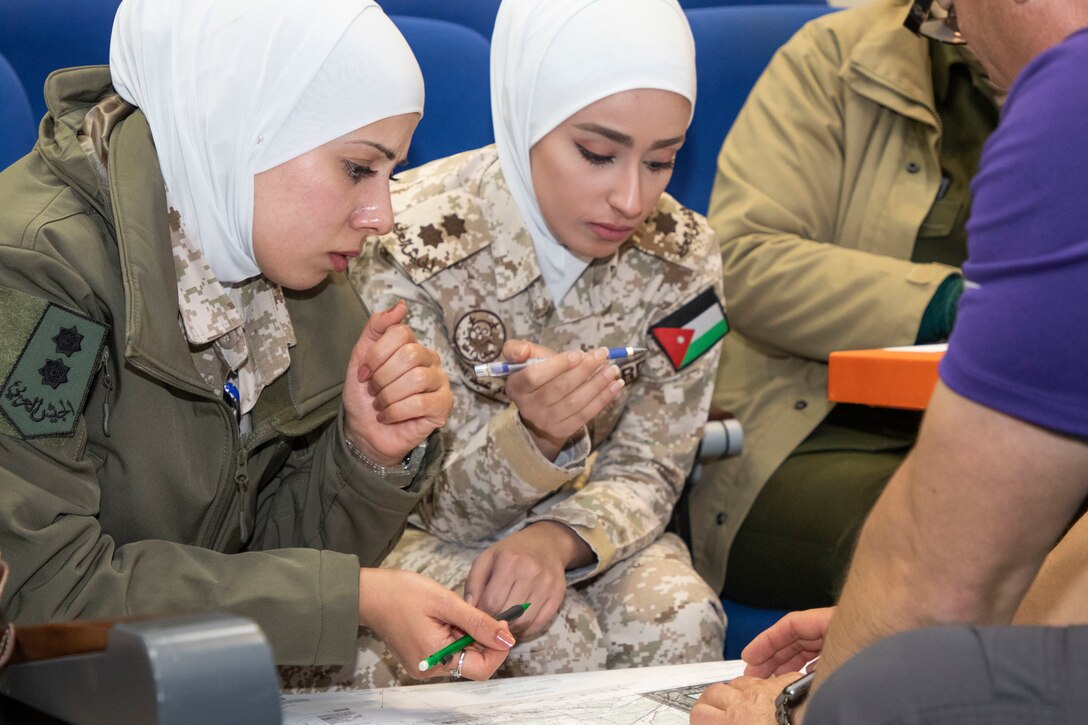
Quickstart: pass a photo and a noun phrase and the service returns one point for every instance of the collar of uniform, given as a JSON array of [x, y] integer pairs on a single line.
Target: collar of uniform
[[248, 325], [327, 320], [207, 311], [511, 246], [137, 193], [70, 93], [890, 65], [591, 293]]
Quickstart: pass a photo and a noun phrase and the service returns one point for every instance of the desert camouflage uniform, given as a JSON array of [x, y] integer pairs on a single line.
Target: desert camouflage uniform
[[463, 260], [242, 332]]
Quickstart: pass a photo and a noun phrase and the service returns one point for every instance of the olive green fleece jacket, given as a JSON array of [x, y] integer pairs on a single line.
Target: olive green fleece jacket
[[173, 510]]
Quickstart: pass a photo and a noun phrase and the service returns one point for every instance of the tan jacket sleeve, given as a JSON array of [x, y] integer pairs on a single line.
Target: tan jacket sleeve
[[804, 262]]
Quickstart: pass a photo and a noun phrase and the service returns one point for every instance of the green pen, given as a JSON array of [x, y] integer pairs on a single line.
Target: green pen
[[454, 647]]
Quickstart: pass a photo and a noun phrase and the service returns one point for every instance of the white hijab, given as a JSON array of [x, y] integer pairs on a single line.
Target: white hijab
[[552, 58], [231, 88]]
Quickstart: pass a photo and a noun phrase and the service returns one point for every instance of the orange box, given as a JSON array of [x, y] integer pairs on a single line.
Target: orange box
[[890, 378]]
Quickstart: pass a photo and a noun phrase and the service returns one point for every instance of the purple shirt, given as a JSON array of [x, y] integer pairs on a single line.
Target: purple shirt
[[1020, 343]]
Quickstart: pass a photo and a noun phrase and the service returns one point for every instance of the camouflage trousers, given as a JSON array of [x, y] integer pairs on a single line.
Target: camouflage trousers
[[649, 609]]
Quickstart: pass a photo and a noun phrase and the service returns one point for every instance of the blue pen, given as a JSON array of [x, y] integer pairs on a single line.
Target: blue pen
[[502, 369], [230, 393]]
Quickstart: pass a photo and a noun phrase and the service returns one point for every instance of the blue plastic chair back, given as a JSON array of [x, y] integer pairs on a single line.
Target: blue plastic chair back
[[476, 14], [40, 36], [732, 47], [19, 132], [456, 65], [744, 623]]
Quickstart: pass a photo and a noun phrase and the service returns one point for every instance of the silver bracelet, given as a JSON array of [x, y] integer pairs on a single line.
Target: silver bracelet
[[405, 468]]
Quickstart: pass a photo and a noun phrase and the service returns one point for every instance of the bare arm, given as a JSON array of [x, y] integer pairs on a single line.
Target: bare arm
[[962, 528], [1059, 594]]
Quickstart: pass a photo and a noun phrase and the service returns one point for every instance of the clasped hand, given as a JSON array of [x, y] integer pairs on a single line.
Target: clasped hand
[[395, 391], [556, 398]]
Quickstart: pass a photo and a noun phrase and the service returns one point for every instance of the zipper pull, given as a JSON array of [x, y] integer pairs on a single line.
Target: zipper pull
[[107, 383], [241, 481]]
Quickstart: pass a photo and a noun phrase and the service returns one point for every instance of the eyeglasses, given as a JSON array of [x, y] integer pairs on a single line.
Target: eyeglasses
[[935, 19]]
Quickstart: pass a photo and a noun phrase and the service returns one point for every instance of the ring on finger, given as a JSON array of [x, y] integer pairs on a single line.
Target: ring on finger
[[455, 673]]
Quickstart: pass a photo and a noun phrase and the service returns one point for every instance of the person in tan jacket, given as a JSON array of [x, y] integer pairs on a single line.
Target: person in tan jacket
[[841, 197]]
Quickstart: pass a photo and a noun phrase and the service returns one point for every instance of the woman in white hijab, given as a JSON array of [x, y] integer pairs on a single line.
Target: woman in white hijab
[[179, 430], [561, 238]]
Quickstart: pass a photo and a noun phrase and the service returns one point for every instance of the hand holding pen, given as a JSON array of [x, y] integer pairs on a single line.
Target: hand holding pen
[[415, 615], [445, 655], [557, 396], [503, 368]]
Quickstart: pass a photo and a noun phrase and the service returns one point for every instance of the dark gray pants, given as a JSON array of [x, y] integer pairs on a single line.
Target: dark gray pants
[[962, 675]]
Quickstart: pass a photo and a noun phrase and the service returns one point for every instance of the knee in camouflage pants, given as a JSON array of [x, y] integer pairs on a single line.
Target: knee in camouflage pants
[[650, 609]]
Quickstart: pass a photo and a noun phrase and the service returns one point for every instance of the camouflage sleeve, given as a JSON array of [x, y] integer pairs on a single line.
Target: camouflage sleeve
[[643, 462], [493, 472]]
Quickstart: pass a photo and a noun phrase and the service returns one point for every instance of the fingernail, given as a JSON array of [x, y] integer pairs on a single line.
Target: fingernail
[[574, 357], [600, 354], [506, 638], [615, 370], [364, 373], [616, 386], [470, 600], [393, 306]]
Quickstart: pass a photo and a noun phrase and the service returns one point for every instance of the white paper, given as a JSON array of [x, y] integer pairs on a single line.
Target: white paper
[[658, 695]]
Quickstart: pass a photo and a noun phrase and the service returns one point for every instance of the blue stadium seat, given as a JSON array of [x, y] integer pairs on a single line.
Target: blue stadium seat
[[19, 130], [732, 47], [456, 65], [744, 623], [476, 14], [38, 37]]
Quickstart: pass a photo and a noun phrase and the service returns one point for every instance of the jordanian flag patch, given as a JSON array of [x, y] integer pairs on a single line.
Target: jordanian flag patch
[[692, 330]]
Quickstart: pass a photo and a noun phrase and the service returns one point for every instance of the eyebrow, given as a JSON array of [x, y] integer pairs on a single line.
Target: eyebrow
[[387, 152], [623, 139]]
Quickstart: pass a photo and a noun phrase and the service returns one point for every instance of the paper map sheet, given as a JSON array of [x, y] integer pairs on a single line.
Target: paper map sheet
[[651, 695]]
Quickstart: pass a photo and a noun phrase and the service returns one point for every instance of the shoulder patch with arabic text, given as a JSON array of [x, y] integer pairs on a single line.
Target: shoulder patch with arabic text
[[47, 363]]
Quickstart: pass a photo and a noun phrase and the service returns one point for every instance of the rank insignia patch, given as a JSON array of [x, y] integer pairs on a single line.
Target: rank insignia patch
[[691, 330], [45, 389]]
